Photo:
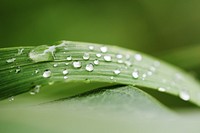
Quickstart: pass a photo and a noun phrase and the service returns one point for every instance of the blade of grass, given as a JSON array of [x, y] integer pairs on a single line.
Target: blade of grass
[[75, 62]]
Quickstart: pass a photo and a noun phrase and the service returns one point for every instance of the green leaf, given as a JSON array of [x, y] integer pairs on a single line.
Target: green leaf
[[29, 68], [109, 107]]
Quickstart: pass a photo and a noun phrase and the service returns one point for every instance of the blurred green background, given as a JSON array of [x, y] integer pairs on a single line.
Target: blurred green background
[[146, 25]]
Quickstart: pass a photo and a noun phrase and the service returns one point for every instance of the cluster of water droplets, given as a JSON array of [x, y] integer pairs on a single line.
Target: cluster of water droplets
[[127, 63]]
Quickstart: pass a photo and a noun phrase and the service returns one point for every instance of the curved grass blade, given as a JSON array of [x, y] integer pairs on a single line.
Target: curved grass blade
[[68, 62]]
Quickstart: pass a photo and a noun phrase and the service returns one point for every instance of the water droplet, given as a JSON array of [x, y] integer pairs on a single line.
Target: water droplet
[[111, 77], [138, 57], [11, 60], [77, 64], [161, 89], [86, 56], [20, 51], [91, 47], [67, 64], [98, 55], [89, 67], [35, 90], [149, 73], [69, 58], [128, 63], [51, 82], [104, 49], [42, 53], [96, 62], [47, 74], [135, 74], [18, 70], [184, 95], [10, 99], [116, 72], [55, 65], [107, 58], [65, 72], [120, 61], [37, 71], [65, 77], [144, 76], [119, 56]]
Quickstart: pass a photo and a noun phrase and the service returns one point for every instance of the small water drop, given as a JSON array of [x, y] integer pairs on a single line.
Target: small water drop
[[37, 71], [10, 99], [161, 89], [119, 56], [35, 90], [69, 58], [91, 47], [55, 65], [47, 74], [66, 63], [111, 77], [96, 62], [184, 95], [135, 74], [149, 73], [107, 58], [20, 51], [89, 67], [77, 64], [51, 83], [138, 57], [18, 70], [86, 56], [120, 61], [116, 72], [65, 72], [98, 55], [11, 60], [104, 49], [65, 77], [128, 63]]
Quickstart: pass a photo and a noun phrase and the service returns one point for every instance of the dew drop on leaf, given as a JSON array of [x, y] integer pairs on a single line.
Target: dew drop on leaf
[[184, 95], [11, 60], [161, 89], [138, 57], [116, 72], [10, 99], [135, 74], [36, 71], [65, 77], [69, 58], [86, 56], [65, 72], [77, 64], [91, 47], [119, 56], [107, 58], [104, 49], [98, 55], [96, 62], [55, 65], [89, 67], [47, 74], [18, 70]]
